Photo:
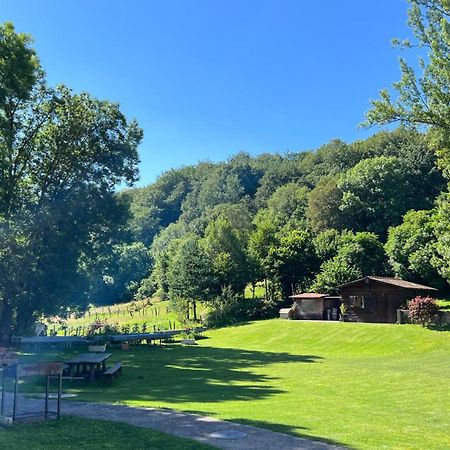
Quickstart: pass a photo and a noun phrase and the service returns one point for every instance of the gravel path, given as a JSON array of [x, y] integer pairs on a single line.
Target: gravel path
[[191, 426]]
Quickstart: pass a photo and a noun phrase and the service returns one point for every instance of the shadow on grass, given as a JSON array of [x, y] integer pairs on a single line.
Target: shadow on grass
[[286, 429], [197, 374], [434, 327]]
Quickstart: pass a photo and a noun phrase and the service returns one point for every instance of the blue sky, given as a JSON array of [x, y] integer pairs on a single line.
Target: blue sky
[[209, 78]]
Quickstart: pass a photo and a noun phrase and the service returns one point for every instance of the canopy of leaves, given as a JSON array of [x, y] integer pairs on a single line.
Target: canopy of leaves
[[63, 154]]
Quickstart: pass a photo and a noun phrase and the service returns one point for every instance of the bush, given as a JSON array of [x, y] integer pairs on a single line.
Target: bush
[[232, 309], [422, 309]]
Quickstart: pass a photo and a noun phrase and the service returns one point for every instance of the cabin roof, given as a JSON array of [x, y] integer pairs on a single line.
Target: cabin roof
[[392, 282], [308, 295]]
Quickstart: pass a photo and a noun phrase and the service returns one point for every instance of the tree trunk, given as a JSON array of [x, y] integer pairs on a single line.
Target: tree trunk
[[25, 320], [194, 310], [6, 322]]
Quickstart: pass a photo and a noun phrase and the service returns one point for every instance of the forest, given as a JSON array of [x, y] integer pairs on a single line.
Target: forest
[[238, 236], [306, 221]]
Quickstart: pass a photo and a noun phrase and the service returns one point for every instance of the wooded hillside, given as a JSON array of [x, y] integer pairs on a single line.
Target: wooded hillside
[[301, 221]]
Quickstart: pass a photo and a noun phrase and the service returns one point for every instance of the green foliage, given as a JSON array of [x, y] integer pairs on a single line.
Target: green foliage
[[423, 99], [371, 198], [442, 231], [293, 261], [411, 247], [63, 155], [328, 243], [358, 255], [225, 246], [324, 201], [232, 309], [189, 276], [288, 203], [121, 273]]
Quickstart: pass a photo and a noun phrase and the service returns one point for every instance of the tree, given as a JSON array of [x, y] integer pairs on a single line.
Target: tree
[[323, 205], [289, 203], [163, 247], [371, 198], [226, 248], [359, 255], [121, 272], [190, 278], [293, 261], [62, 156], [328, 243], [423, 98], [411, 247], [441, 225]]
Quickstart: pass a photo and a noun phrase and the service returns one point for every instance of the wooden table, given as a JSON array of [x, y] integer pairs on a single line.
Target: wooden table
[[88, 363]]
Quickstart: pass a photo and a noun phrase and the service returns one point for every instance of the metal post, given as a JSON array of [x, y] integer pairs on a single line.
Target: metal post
[[16, 389], [58, 410], [2, 406], [47, 388]]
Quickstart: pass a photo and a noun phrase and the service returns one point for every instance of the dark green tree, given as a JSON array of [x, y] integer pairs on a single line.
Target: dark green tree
[[293, 261], [359, 254], [62, 156], [411, 247], [189, 276]]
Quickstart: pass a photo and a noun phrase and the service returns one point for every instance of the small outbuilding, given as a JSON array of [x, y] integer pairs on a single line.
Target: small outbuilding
[[314, 306], [376, 299]]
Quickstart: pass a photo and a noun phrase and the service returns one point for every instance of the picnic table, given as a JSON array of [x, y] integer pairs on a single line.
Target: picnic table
[[88, 363]]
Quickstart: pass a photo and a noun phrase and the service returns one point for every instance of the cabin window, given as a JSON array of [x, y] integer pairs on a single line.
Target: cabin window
[[308, 305], [357, 301]]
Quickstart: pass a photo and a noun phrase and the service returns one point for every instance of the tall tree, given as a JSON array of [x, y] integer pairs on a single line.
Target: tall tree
[[189, 276], [411, 248], [62, 156], [423, 98]]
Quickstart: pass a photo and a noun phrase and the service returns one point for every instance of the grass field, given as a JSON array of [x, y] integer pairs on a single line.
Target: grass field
[[365, 386], [84, 434]]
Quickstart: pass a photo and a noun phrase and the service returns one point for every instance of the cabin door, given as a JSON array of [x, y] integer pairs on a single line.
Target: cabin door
[[384, 308]]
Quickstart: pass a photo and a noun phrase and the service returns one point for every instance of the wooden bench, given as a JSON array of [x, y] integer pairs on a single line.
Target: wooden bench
[[112, 372]]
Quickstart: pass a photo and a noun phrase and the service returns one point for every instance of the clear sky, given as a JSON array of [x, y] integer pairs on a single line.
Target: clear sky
[[209, 78]]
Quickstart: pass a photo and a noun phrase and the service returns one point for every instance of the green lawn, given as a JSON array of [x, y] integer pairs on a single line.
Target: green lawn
[[362, 385], [83, 434]]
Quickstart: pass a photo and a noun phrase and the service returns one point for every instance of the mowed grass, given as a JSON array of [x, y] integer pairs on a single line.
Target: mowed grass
[[365, 386], [83, 434]]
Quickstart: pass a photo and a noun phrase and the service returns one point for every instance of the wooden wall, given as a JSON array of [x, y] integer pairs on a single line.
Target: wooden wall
[[381, 301]]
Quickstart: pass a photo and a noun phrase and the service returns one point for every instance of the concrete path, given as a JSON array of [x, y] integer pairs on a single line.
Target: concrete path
[[191, 426]]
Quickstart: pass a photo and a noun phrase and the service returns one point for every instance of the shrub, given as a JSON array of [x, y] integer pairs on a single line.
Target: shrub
[[422, 309], [232, 309]]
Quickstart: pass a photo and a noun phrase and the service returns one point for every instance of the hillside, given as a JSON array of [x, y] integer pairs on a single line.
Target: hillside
[[135, 316]]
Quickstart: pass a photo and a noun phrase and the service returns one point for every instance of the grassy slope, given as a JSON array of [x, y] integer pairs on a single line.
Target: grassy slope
[[362, 385], [131, 313], [83, 434]]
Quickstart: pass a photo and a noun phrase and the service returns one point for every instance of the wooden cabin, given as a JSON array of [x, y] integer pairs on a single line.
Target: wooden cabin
[[376, 299]]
